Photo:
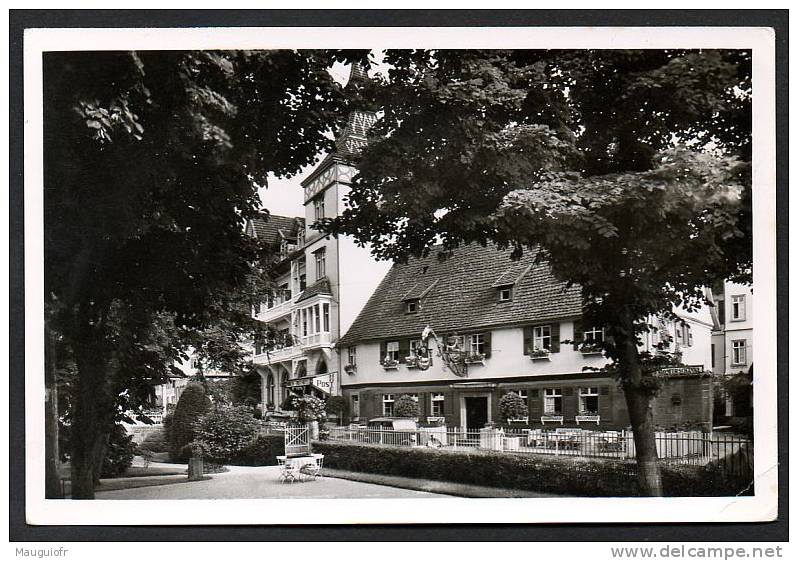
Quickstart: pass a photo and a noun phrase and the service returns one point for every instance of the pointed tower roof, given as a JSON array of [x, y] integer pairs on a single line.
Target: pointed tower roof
[[352, 137]]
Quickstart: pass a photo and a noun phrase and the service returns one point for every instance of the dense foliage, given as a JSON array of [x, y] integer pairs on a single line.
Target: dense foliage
[[405, 406], [181, 430], [512, 406], [308, 408], [121, 451]]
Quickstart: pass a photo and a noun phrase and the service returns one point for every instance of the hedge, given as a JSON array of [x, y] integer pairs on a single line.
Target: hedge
[[574, 476]]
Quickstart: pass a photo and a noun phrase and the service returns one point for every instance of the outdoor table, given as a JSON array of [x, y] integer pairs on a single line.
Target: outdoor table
[[293, 467]]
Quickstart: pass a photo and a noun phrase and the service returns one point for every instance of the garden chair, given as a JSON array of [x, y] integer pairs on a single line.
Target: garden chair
[[312, 470], [289, 472]]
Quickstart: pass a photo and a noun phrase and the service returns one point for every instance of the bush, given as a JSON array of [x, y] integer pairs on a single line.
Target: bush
[[309, 408], [546, 474], [262, 451], [405, 406], [155, 441], [119, 456], [512, 406], [192, 405], [226, 432]]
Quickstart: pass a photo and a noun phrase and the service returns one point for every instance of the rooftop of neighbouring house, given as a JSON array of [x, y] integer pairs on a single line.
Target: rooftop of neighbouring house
[[461, 293], [271, 228]]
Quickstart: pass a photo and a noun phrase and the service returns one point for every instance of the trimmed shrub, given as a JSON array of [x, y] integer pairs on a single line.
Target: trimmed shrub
[[512, 406], [546, 474], [119, 456], [405, 406], [155, 441], [192, 405], [262, 451], [226, 432]]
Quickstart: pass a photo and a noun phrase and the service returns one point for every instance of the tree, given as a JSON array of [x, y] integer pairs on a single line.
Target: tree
[[338, 406], [152, 162], [512, 406], [405, 406], [626, 171]]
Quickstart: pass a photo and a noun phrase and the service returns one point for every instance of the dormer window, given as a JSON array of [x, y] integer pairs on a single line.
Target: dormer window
[[411, 306], [505, 294]]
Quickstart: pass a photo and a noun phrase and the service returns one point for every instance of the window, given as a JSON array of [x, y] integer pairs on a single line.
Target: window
[[476, 344], [355, 405], [317, 317], [437, 404], [594, 336], [521, 393], [738, 307], [588, 401], [303, 282], [688, 335], [414, 396], [738, 352], [552, 401], [712, 346], [541, 338], [392, 351], [318, 207], [304, 314], [321, 263], [300, 237], [411, 306], [505, 294], [455, 341], [352, 353], [415, 344], [326, 315], [387, 405]]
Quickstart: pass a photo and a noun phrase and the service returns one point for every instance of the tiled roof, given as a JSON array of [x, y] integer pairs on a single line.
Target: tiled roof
[[321, 286], [464, 296], [268, 227]]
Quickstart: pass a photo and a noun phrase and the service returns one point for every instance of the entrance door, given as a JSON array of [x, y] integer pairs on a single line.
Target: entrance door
[[476, 412]]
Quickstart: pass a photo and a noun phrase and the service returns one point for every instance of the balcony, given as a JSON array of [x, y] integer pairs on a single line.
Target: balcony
[[278, 306], [278, 355], [316, 340]]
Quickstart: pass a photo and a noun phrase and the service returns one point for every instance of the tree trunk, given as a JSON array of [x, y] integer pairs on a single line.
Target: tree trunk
[[52, 479], [93, 417], [638, 404], [648, 473]]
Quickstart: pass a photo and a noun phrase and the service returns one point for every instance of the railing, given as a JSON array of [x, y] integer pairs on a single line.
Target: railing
[[316, 339], [278, 305], [731, 452]]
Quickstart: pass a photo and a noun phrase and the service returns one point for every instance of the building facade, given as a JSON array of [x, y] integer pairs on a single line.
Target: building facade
[[732, 347], [322, 282], [522, 332]]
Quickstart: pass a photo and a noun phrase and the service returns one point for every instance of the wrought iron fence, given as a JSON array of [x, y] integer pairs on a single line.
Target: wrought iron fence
[[731, 452]]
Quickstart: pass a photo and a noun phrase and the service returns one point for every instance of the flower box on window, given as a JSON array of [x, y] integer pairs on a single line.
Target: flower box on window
[[411, 361], [475, 358], [552, 418], [590, 350], [350, 369], [540, 354], [587, 417], [390, 364]]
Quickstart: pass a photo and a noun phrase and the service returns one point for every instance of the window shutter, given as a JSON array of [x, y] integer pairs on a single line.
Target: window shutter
[[404, 349], [570, 403], [486, 338], [578, 333], [555, 337], [527, 339], [605, 404], [422, 400], [383, 350], [535, 406]]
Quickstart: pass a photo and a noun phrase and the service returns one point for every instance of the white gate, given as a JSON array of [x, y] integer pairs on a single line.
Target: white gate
[[297, 440]]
